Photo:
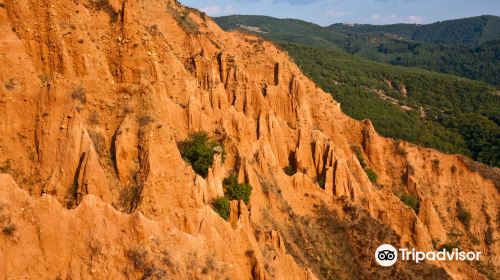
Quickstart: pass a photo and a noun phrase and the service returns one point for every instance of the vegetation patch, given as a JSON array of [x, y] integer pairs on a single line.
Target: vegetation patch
[[6, 167], [290, 170], [321, 180], [184, 20], [198, 150], [79, 94], [10, 84], [99, 142], [144, 120], [464, 215], [130, 197], [237, 191], [342, 248], [221, 207], [410, 200], [94, 118], [372, 175], [448, 246], [9, 230], [232, 191]]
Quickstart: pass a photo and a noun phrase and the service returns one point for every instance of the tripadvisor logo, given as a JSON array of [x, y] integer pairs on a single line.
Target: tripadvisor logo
[[387, 255]]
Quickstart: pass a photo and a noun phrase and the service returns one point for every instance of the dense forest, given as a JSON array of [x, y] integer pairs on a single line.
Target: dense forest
[[452, 114], [468, 47]]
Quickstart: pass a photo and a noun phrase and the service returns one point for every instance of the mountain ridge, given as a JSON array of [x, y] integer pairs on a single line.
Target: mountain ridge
[[472, 30], [475, 61]]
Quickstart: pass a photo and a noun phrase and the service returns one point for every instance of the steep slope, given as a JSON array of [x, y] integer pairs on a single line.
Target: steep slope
[[96, 97]]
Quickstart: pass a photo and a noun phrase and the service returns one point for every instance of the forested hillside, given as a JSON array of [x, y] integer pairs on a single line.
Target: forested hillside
[[474, 30], [451, 114], [468, 47]]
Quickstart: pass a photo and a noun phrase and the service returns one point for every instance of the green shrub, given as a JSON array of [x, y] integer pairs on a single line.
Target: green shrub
[[9, 230], [464, 215], [221, 207], [372, 175], [198, 150], [290, 170], [359, 155], [321, 181], [237, 191], [410, 200], [448, 247]]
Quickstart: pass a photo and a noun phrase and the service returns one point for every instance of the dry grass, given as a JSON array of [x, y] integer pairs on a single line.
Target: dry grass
[[99, 142], [9, 230], [79, 94], [342, 248], [488, 172], [10, 84], [94, 118]]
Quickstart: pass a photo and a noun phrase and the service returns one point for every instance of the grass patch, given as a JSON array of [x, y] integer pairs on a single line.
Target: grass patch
[[144, 120], [359, 154], [372, 175], [464, 215], [184, 21], [410, 200], [99, 143]]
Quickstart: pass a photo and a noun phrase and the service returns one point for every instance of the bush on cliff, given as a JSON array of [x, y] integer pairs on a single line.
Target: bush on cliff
[[198, 150], [410, 200], [464, 215], [237, 191], [221, 207]]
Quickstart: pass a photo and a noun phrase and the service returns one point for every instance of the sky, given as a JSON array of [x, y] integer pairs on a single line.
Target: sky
[[326, 12]]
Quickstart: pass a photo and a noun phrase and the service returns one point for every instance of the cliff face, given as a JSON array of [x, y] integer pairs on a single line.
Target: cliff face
[[96, 95]]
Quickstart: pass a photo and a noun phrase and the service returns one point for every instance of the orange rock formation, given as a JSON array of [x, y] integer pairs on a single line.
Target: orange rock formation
[[95, 96]]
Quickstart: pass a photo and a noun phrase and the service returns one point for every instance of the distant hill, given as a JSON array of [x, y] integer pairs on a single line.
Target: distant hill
[[474, 30], [467, 47]]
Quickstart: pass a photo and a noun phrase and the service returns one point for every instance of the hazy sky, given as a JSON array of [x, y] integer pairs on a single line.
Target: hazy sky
[[326, 12]]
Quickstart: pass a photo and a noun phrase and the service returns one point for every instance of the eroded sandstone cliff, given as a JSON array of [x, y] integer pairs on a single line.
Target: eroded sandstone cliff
[[95, 97]]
